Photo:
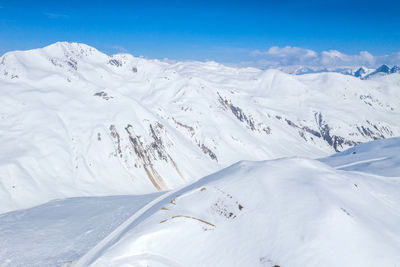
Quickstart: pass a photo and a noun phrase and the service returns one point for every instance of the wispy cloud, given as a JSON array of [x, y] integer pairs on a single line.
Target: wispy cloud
[[56, 16], [277, 56], [120, 48]]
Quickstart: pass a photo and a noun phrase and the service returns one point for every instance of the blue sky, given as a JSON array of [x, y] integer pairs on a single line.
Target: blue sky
[[225, 31]]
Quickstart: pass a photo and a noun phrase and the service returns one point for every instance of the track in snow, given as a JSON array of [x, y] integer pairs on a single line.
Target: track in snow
[[359, 162]]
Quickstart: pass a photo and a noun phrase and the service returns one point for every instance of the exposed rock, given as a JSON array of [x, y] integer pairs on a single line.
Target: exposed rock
[[208, 151], [237, 111], [332, 140], [241, 116], [103, 95], [143, 155], [115, 62], [190, 129], [72, 63], [117, 141]]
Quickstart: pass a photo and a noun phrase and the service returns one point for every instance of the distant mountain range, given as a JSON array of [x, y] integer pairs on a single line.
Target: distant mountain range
[[361, 72]]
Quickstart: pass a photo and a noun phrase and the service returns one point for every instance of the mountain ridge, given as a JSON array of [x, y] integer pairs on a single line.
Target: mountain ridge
[[86, 123]]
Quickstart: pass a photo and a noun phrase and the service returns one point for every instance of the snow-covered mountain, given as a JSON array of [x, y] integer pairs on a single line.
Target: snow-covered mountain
[[361, 72], [342, 210], [383, 70], [77, 122], [300, 70]]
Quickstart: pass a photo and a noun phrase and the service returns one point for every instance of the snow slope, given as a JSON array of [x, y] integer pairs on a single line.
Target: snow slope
[[76, 122], [266, 214], [61, 231], [287, 212], [380, 157]]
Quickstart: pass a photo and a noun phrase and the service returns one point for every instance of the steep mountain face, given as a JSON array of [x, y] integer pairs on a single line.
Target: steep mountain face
[[395, 69], [77, 122], [382, 70], [361, 72]]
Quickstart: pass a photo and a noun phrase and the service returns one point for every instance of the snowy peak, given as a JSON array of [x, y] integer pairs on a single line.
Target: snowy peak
[[50, 59], [361, 72], [395, 69], [382, 69], [64, 50], [69, 49], [68, 60]]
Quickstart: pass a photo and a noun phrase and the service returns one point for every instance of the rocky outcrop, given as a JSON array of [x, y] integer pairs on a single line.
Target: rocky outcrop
[[192, 134], [333, 140], [115, 62], [144, 155], [144, 152], [117, 141], [241, 116]]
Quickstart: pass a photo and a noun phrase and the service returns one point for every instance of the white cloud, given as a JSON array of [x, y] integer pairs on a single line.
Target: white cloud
[[120, 48], [56, 16], [296, 56]]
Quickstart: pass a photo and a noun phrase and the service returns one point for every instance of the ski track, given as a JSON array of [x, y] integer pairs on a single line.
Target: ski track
[[359, 162], [154, 257]]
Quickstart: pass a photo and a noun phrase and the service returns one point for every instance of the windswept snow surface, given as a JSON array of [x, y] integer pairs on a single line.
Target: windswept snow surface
[[76, 122], [380, 157], [286, 212], [61, 231]]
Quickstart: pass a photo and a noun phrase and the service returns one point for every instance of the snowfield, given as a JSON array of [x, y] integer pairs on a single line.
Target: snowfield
[[380, 157], [286, 212], [76, 122], [61, 231]]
